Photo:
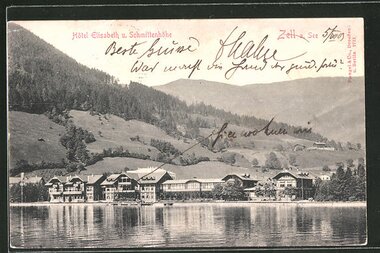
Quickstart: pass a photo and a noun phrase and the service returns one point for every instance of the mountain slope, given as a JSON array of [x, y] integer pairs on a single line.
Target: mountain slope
[[112, 132], [330, 104], [44, 81], [34, 138]]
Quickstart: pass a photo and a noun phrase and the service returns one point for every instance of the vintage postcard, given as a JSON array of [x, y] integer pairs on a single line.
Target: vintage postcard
[[186, 133]]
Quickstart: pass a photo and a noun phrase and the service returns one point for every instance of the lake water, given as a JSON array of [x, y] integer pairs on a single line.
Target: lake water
[[192, 225]]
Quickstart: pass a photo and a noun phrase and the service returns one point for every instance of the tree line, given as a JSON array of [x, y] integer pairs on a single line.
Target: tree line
[[31, 193], [345, 185], [44, 80]]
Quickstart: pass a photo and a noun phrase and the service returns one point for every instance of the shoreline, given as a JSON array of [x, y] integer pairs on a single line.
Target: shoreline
[[229, 203]]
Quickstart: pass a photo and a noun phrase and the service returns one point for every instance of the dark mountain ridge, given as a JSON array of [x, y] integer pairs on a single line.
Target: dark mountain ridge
[[42, 79]]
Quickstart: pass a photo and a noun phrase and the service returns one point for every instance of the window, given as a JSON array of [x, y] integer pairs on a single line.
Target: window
[[193, 185]]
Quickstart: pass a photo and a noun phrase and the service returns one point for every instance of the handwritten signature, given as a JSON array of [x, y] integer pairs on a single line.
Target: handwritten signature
[[238, 49]]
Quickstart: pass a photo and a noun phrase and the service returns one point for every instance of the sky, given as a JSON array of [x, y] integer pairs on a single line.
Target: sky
[[308, 47]]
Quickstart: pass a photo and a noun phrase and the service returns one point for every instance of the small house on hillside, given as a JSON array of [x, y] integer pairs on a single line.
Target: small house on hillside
[[321, 146], [325, 177], [299, 147]]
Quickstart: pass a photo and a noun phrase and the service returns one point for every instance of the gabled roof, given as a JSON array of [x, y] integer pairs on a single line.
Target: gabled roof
[[299, 175], [209, 180], [68, 180], [148, 175], [93, 179], [242, 177], [177, 181], [111, 179], [200, 180], [81, 178], [61, 179]]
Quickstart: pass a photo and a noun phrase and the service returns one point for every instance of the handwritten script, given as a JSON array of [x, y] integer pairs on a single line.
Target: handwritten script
[[267, 130], [239, 49]]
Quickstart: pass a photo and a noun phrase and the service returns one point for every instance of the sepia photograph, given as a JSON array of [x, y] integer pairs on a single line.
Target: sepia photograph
[[186, 133]]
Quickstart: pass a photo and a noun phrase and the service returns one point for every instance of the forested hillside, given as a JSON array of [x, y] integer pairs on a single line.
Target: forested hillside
[[44, 80], [95, 118]]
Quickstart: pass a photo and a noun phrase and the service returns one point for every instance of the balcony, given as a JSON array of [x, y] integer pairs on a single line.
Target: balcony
[[125, 190], [55, 192], [72, 192], [125, 183]]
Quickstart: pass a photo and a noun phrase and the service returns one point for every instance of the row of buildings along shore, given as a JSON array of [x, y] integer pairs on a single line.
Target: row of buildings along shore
[[150, 185]]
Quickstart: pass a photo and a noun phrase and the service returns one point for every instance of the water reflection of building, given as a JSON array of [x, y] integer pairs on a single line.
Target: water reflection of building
[[77, 225], [74, 222], [181, 223]]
